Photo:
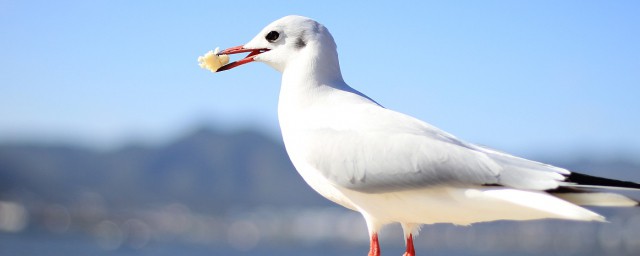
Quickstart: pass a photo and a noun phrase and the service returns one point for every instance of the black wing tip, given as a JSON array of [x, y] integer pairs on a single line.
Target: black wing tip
[[584, 179]]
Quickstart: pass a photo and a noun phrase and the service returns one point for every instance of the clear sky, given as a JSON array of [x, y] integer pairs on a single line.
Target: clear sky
[[520, 76]]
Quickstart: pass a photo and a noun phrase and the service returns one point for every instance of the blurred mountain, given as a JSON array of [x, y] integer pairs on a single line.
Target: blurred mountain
[[206, 170], [235, 190]]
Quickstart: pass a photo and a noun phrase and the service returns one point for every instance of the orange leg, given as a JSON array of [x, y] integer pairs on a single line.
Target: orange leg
[[374, 248], [410, 250]]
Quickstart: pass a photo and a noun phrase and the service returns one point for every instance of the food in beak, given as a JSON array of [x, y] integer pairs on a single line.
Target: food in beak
[[245, 60], [212, 61]]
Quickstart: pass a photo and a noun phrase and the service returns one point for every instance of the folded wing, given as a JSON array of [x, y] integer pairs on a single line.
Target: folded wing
[[388, 151]]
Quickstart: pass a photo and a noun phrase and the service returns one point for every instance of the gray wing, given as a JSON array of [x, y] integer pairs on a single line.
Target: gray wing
[[401, 153]]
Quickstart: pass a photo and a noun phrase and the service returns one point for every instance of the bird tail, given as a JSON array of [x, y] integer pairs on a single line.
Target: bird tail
[[587, 190]]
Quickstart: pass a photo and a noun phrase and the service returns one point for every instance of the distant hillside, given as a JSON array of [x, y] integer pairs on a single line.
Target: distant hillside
[[207, 170], [211, 189]]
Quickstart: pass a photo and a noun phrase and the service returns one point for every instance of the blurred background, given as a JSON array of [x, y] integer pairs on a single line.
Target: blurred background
[[114, 142]]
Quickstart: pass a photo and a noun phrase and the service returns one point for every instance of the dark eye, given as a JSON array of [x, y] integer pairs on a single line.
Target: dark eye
[[272, 36]]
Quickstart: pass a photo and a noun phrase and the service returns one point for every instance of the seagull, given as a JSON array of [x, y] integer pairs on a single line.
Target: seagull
[[394, 168]]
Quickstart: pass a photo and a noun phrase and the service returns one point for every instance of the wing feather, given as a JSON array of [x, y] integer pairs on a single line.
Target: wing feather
[[381, 150], [377, 162]]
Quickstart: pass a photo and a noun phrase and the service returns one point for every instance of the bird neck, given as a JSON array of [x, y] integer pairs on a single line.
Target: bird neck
[[317, 65], [306, 80]]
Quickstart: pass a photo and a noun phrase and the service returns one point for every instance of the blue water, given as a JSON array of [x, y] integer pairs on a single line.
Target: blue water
[[39, 244], [26, 245], [70, 245]]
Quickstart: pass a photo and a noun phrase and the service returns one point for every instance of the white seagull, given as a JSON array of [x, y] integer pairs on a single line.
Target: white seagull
[[392, 167]]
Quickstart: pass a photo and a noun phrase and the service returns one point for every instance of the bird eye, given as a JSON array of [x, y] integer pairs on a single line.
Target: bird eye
[[272, 36]]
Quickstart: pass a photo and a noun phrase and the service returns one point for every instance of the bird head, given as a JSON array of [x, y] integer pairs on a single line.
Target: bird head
[[283, 41]]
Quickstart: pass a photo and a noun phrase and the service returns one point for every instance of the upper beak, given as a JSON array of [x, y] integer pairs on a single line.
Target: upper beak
[[240, 49]]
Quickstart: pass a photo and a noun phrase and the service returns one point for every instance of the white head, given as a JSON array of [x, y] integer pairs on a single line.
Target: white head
[[290, 41]]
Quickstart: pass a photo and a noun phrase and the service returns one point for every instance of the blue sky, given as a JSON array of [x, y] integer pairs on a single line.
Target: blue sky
[[528, 77]]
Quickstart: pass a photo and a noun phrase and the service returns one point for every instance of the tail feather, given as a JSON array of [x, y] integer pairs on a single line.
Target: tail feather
[[598, 199], [583, 189], [582, 180]]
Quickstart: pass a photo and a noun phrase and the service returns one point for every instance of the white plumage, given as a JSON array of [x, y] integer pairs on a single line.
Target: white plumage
[[392, 167]]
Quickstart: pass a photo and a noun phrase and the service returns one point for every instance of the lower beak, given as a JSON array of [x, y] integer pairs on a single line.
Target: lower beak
[[236, 50]]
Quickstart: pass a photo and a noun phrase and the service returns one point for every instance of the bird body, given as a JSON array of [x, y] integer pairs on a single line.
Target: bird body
[[337, 139], [393, 168]]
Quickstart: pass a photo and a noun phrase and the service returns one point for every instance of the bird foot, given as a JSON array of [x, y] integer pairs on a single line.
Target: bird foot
[[374, 249], [410, 249]]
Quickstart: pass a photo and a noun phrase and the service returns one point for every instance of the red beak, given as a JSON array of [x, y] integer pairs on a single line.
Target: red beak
[[240, 49]]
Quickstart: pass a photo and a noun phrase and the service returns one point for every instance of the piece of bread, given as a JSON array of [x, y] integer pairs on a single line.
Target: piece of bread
[[212, 61]]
